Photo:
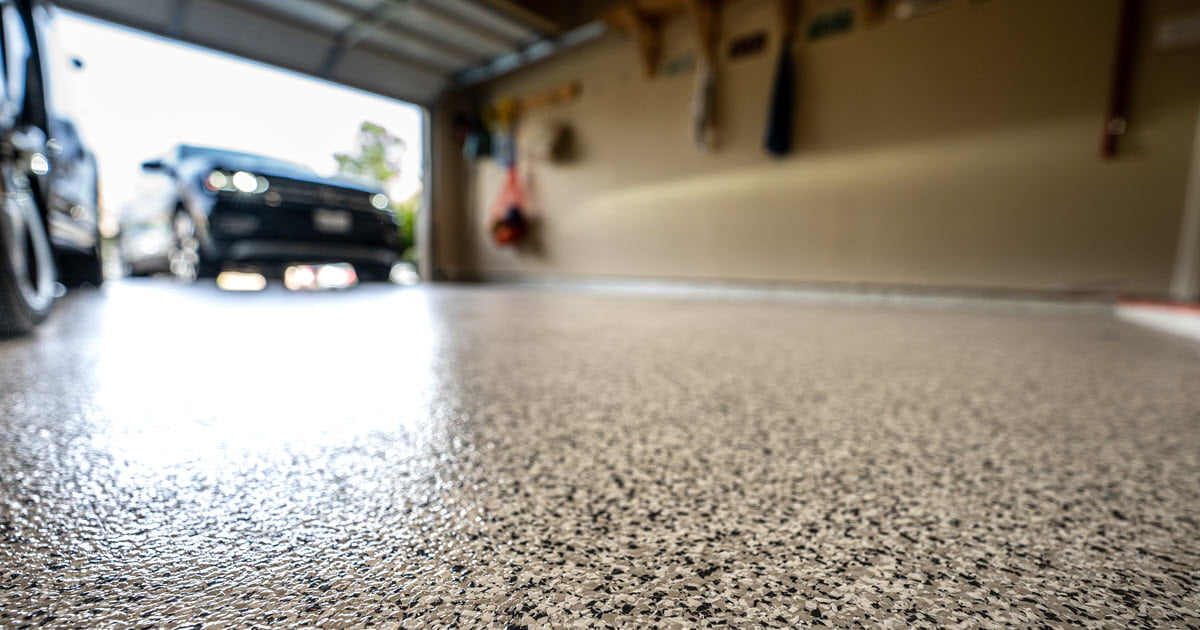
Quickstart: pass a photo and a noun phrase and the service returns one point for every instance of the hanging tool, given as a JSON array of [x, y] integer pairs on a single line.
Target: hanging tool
[[1116, 119], [781, 117], [704, 96]]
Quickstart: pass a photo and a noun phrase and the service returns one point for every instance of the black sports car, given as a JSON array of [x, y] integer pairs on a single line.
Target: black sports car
[[49, 200], [204, 209]]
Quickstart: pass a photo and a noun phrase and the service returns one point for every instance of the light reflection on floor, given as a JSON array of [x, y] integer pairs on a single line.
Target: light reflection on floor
[[189, 374]]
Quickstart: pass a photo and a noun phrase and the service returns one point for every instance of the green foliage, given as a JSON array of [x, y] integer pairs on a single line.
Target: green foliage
[[378, 162], [406, 216], [378, 157]]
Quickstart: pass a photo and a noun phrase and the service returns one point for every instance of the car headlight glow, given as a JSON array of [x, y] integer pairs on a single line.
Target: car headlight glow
[[380, 201], [241, 181], [245, 182]]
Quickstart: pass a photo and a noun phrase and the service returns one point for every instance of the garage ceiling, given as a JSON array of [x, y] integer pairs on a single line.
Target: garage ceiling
[[406, 49]]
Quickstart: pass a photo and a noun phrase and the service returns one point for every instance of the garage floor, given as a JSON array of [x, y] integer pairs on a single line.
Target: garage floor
[[506, 457]]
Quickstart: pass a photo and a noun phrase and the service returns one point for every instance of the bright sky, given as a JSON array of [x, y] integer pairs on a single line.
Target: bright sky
[[139, 95]]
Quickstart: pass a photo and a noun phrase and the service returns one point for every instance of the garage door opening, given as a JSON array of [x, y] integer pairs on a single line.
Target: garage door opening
[[274, 145]]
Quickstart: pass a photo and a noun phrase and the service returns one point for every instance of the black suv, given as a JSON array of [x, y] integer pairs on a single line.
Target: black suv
[[49, 219], [203, 209]]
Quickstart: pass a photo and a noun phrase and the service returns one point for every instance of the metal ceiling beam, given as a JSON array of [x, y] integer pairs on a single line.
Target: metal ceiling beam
[[178, 17], [523, 16], [471, 32], [359, 29], [281, 17], [417, 65], [504, 22], [461, 55], [138, 22], [487, 14], [528, 54], [424, 43]]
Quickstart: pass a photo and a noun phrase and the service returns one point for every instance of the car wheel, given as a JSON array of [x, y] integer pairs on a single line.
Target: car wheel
[[27, 270], [184, 257]]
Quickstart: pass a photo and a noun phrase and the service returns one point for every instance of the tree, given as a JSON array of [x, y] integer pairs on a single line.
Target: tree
[[378, 162], [378, 157]]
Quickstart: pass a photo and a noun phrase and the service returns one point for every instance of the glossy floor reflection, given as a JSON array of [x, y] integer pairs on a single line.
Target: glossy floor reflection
[[489, 457]]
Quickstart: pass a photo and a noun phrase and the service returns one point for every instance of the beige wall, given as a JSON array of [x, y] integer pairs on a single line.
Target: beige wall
[[958, 149]]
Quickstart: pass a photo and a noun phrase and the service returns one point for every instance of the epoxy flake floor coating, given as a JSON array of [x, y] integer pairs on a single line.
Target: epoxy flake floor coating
[[492, 457]]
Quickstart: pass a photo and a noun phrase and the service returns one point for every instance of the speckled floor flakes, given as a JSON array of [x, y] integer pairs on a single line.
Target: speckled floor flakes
[[492, 457]]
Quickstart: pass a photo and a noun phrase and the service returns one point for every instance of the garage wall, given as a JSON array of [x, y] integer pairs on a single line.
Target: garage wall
[[958, 149]]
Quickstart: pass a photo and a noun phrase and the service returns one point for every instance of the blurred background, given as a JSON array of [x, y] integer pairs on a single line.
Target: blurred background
[[949, 145], [133, 96], [138, 95]]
